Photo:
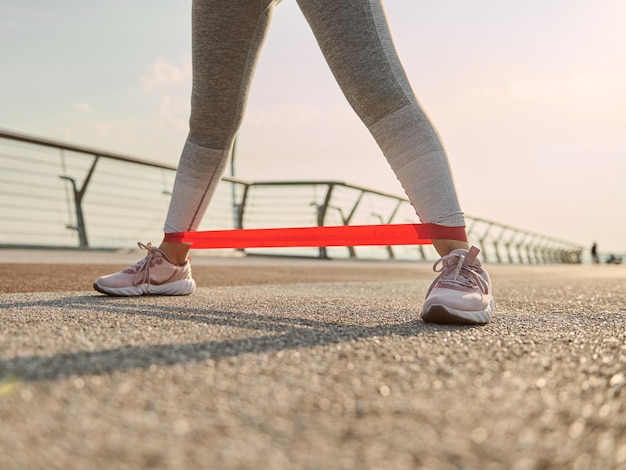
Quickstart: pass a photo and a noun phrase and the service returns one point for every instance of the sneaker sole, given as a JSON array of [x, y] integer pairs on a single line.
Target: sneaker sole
[[451, 316], [182, 287]]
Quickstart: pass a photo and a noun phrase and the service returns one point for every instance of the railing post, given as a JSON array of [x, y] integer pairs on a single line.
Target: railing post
[[348, 219], [529, 250], [519, 246], [345, 221], [81, 226], [496, 244], [389, 220], [321, 216], [390, 252], [241, 207], [508, 247], [481, 241]]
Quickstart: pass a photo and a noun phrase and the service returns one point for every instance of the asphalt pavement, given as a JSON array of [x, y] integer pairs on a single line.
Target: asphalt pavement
[[308, 364]]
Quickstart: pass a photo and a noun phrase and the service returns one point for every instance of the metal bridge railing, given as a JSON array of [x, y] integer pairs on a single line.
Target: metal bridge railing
[[58, 194]]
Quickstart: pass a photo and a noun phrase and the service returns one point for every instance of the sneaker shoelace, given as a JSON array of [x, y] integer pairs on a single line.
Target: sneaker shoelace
[[457, 270], [141, 269]]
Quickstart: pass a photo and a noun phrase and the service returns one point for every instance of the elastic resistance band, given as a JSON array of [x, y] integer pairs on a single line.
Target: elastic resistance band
[[349, 235]]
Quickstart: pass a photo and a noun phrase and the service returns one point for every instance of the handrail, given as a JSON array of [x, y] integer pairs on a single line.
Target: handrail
[[562, 250], [60, 145], [78, 193], [327, 182], [249, 203], [57, 144]]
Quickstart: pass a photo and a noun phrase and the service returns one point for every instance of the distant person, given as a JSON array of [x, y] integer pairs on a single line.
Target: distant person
[[355, 39], [612, 259], [594, 253]]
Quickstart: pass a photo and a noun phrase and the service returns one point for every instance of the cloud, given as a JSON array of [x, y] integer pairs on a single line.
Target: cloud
[[165, 72], [167, 83], [156, 104]]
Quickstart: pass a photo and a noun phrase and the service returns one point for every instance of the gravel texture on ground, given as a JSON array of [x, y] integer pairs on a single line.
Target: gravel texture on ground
[[289, 364]]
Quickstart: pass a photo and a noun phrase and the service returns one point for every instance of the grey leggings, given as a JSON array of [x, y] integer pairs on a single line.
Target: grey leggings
[[355, 40]]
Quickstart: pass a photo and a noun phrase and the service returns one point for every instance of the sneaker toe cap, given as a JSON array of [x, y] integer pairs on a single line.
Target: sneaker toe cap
[[114, 281], [459, 300]]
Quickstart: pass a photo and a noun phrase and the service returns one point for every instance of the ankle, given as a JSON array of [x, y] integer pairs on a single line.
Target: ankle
[[176, 252], [445, 247]]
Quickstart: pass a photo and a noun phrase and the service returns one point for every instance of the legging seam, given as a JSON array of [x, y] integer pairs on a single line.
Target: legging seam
[[204, 195]]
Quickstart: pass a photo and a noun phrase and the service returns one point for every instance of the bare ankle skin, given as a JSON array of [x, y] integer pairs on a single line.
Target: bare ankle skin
[[445, 247], [176, 252]]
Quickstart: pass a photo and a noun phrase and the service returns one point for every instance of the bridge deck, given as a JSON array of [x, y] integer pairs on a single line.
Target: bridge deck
[[283, 363]]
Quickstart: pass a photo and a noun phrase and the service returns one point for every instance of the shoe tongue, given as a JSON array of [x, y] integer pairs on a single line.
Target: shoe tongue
[[470, 256]]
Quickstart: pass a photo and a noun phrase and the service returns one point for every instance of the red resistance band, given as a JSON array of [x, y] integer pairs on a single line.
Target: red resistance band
[[349, 235]]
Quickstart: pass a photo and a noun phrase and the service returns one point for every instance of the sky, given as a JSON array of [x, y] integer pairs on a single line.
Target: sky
[[529, 97]]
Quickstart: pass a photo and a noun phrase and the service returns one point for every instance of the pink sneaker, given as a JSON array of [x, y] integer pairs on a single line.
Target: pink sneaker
[[461, 293], [153, 275]]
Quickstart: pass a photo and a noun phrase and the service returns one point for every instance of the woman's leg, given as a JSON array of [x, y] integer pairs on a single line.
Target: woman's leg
[[227, 36], [355, 40], [226, 39]]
